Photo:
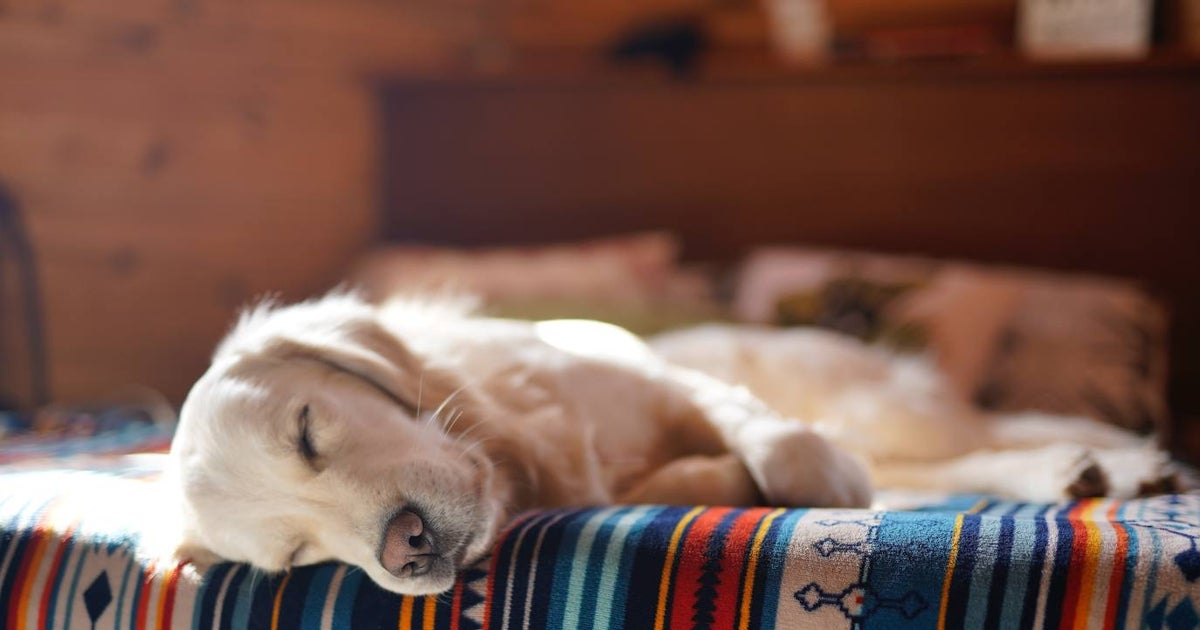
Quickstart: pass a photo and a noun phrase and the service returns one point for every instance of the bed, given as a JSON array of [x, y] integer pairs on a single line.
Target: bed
[[70, 557], [79, 508], [79, 503]]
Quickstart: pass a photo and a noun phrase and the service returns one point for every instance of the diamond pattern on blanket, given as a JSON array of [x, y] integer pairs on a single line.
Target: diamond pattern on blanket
[[97, 597]]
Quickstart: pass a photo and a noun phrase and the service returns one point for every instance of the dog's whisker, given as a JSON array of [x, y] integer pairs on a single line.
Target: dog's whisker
[[255, 578], [443, 419], [420, 389], [455, 417], [477, 442], [448, 399], [463, 436], [470, 448]]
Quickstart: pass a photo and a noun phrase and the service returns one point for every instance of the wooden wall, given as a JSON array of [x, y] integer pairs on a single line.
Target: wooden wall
[[175, 159], [1076, 167]]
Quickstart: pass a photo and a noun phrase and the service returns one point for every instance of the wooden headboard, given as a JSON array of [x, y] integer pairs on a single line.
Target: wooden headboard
[[1093, 168]]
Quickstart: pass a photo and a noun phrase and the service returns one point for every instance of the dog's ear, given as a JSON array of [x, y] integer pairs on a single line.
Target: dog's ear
[[363, 349]]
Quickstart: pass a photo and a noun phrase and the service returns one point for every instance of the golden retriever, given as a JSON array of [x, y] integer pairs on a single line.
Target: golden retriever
[[401, 438]]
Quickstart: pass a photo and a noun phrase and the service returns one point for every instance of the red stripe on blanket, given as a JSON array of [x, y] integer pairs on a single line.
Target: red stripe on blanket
[[15, 604], [169, 605], [691, 561], [729, 591], [495, 562], [456, 604], [144, 601], [491, 587], [55, 566], [1118, 570], [1075, 569], [39, 538]]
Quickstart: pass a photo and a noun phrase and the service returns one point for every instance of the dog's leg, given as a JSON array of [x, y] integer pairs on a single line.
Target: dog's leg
[[1033, 430], [1132, 464], [1047, 474], [1050, 473], [697, 480], [791, 464], [1142, 471]]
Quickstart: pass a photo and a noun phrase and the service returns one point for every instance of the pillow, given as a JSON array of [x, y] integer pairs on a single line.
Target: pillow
[[1009, 339], [634, 281]]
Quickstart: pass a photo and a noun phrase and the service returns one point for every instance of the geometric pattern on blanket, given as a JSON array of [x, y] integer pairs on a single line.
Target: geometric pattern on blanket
[[69, 543]]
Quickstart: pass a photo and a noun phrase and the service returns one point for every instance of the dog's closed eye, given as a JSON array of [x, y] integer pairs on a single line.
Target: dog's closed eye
[[304, 441]]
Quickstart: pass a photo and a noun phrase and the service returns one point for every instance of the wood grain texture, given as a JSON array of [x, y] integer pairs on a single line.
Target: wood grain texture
[[1091, 169], [176, 160]]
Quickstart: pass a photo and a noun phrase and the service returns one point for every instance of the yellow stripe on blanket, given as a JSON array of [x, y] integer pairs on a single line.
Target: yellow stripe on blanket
[[279, 602], [664, 583], [954, 541], [752, 568]]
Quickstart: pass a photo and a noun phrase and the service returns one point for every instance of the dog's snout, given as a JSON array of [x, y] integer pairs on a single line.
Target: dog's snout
[[407, 549]]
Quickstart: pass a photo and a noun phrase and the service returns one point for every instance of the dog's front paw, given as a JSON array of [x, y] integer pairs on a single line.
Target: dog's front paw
[[200, 559], [1120, 473], [796, 467], [1085, 478], [1134, 472]]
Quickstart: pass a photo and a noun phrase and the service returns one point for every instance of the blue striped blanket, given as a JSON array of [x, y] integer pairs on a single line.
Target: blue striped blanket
[[69, 558]]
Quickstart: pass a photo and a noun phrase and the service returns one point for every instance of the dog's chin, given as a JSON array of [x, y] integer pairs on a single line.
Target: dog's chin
[[480, 544]]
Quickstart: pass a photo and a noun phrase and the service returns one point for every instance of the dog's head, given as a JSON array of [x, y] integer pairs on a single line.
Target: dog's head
[[316, 435]]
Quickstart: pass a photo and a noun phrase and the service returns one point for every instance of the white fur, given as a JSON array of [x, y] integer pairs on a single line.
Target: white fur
[[901, 415], [469, 419]]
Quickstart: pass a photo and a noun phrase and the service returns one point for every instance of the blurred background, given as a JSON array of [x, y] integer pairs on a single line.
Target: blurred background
[[167, 161]]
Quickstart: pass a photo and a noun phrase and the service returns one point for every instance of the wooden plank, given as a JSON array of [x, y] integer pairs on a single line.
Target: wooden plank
[[146, 302], [306, 246], [176, 158], [287, 35], [75, 159], [160, 94], [156, 331]]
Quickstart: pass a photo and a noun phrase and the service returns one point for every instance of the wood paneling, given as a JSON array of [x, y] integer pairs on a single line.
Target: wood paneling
[[174, 160], [1084, 168]]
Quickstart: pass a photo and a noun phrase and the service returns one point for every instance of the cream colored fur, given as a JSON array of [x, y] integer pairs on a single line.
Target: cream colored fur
[[900, 414], [467, 420]]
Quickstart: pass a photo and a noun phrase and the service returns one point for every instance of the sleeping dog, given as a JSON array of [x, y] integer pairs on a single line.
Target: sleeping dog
[[399, 439]]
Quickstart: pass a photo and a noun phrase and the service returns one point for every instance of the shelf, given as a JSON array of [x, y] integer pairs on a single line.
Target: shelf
[[548, 69]]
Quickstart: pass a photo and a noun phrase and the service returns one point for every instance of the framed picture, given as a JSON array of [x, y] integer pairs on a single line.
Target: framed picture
[[1081, 29]]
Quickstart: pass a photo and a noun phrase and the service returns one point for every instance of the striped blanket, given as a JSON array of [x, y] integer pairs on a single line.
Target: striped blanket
[[69, 541]]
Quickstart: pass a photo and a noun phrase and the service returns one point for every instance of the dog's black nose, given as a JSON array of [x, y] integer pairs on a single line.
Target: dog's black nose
[[407, 549]]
